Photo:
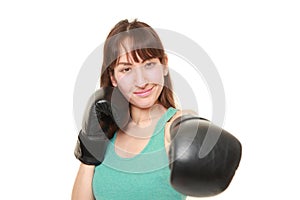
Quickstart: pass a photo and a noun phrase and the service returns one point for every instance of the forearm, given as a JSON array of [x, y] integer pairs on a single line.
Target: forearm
[[82, 189]]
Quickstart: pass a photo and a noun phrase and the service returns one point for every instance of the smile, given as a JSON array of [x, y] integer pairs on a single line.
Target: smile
[[143, 93]]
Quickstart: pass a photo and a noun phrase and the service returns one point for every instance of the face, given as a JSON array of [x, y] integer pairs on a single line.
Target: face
[[140, 82]]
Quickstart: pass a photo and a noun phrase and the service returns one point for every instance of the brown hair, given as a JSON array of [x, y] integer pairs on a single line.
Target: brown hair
[[144, 43]]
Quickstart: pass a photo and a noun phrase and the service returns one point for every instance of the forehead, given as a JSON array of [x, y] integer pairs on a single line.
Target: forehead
[[127, 57]]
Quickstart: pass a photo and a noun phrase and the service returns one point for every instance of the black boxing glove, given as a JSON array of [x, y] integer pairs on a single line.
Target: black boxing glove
[[203, 157], [106, 111]]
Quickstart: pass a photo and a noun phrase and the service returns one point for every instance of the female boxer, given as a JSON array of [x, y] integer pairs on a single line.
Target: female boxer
[[134, 143]]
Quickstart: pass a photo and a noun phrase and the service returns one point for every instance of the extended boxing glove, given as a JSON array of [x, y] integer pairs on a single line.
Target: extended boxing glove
[[203, 157], [106, 111]]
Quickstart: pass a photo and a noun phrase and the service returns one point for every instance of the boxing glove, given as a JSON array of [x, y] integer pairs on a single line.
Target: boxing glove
[[203, 157], [106, 111]]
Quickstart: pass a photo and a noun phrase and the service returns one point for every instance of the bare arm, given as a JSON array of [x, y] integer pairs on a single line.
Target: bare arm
[[168, 124], [82, 189]]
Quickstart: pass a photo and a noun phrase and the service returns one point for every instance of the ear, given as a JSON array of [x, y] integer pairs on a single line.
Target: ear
[[112, 79], [165, 63]]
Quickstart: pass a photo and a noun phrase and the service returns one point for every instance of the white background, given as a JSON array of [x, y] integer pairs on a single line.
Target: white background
[[255, 46]]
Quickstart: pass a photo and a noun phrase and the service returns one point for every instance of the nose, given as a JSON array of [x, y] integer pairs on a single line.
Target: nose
[[140, 78]]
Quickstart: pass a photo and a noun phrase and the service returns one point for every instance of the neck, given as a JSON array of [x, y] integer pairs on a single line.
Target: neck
[[146, 115]]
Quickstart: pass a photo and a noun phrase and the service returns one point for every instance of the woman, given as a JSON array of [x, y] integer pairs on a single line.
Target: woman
[[136, 164], [139, 161]]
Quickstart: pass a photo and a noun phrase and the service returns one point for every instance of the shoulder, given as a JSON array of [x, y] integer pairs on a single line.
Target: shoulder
[[179, 113]]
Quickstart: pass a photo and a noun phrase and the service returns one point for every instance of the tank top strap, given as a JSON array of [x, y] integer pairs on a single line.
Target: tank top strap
[[157, 139], [163, 120]]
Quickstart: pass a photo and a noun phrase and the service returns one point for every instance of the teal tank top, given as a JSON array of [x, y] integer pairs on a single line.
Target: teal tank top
[[144, 176]]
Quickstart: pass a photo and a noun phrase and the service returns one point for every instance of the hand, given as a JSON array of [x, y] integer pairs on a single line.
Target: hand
[[201, 167], [106, 111]]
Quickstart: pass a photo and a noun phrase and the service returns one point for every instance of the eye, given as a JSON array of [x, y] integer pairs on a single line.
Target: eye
[[125, 69], [150, 64]]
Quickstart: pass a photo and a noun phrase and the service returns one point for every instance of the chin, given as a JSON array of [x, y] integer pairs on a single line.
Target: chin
[[143, 104]]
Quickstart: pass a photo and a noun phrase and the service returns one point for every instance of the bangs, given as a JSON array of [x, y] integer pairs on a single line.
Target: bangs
[[139, 44], [143, 54]]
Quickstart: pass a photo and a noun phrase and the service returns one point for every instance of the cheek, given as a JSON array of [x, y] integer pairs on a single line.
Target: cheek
[[156, 76], [124, 80], [125, 85]]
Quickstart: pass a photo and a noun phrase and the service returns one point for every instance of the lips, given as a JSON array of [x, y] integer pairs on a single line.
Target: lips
[[143, 93]]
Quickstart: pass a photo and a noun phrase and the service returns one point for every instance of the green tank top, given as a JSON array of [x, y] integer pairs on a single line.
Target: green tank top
[[144, 176]]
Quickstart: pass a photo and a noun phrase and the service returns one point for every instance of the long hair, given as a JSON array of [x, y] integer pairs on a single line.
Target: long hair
[[144, 43]]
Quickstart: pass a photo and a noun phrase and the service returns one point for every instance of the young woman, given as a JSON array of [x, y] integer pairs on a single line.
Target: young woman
[[138, 160], [135, 62]]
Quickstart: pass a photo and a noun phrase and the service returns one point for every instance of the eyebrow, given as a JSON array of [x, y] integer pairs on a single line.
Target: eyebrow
[[124, 63], [128, 63]]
